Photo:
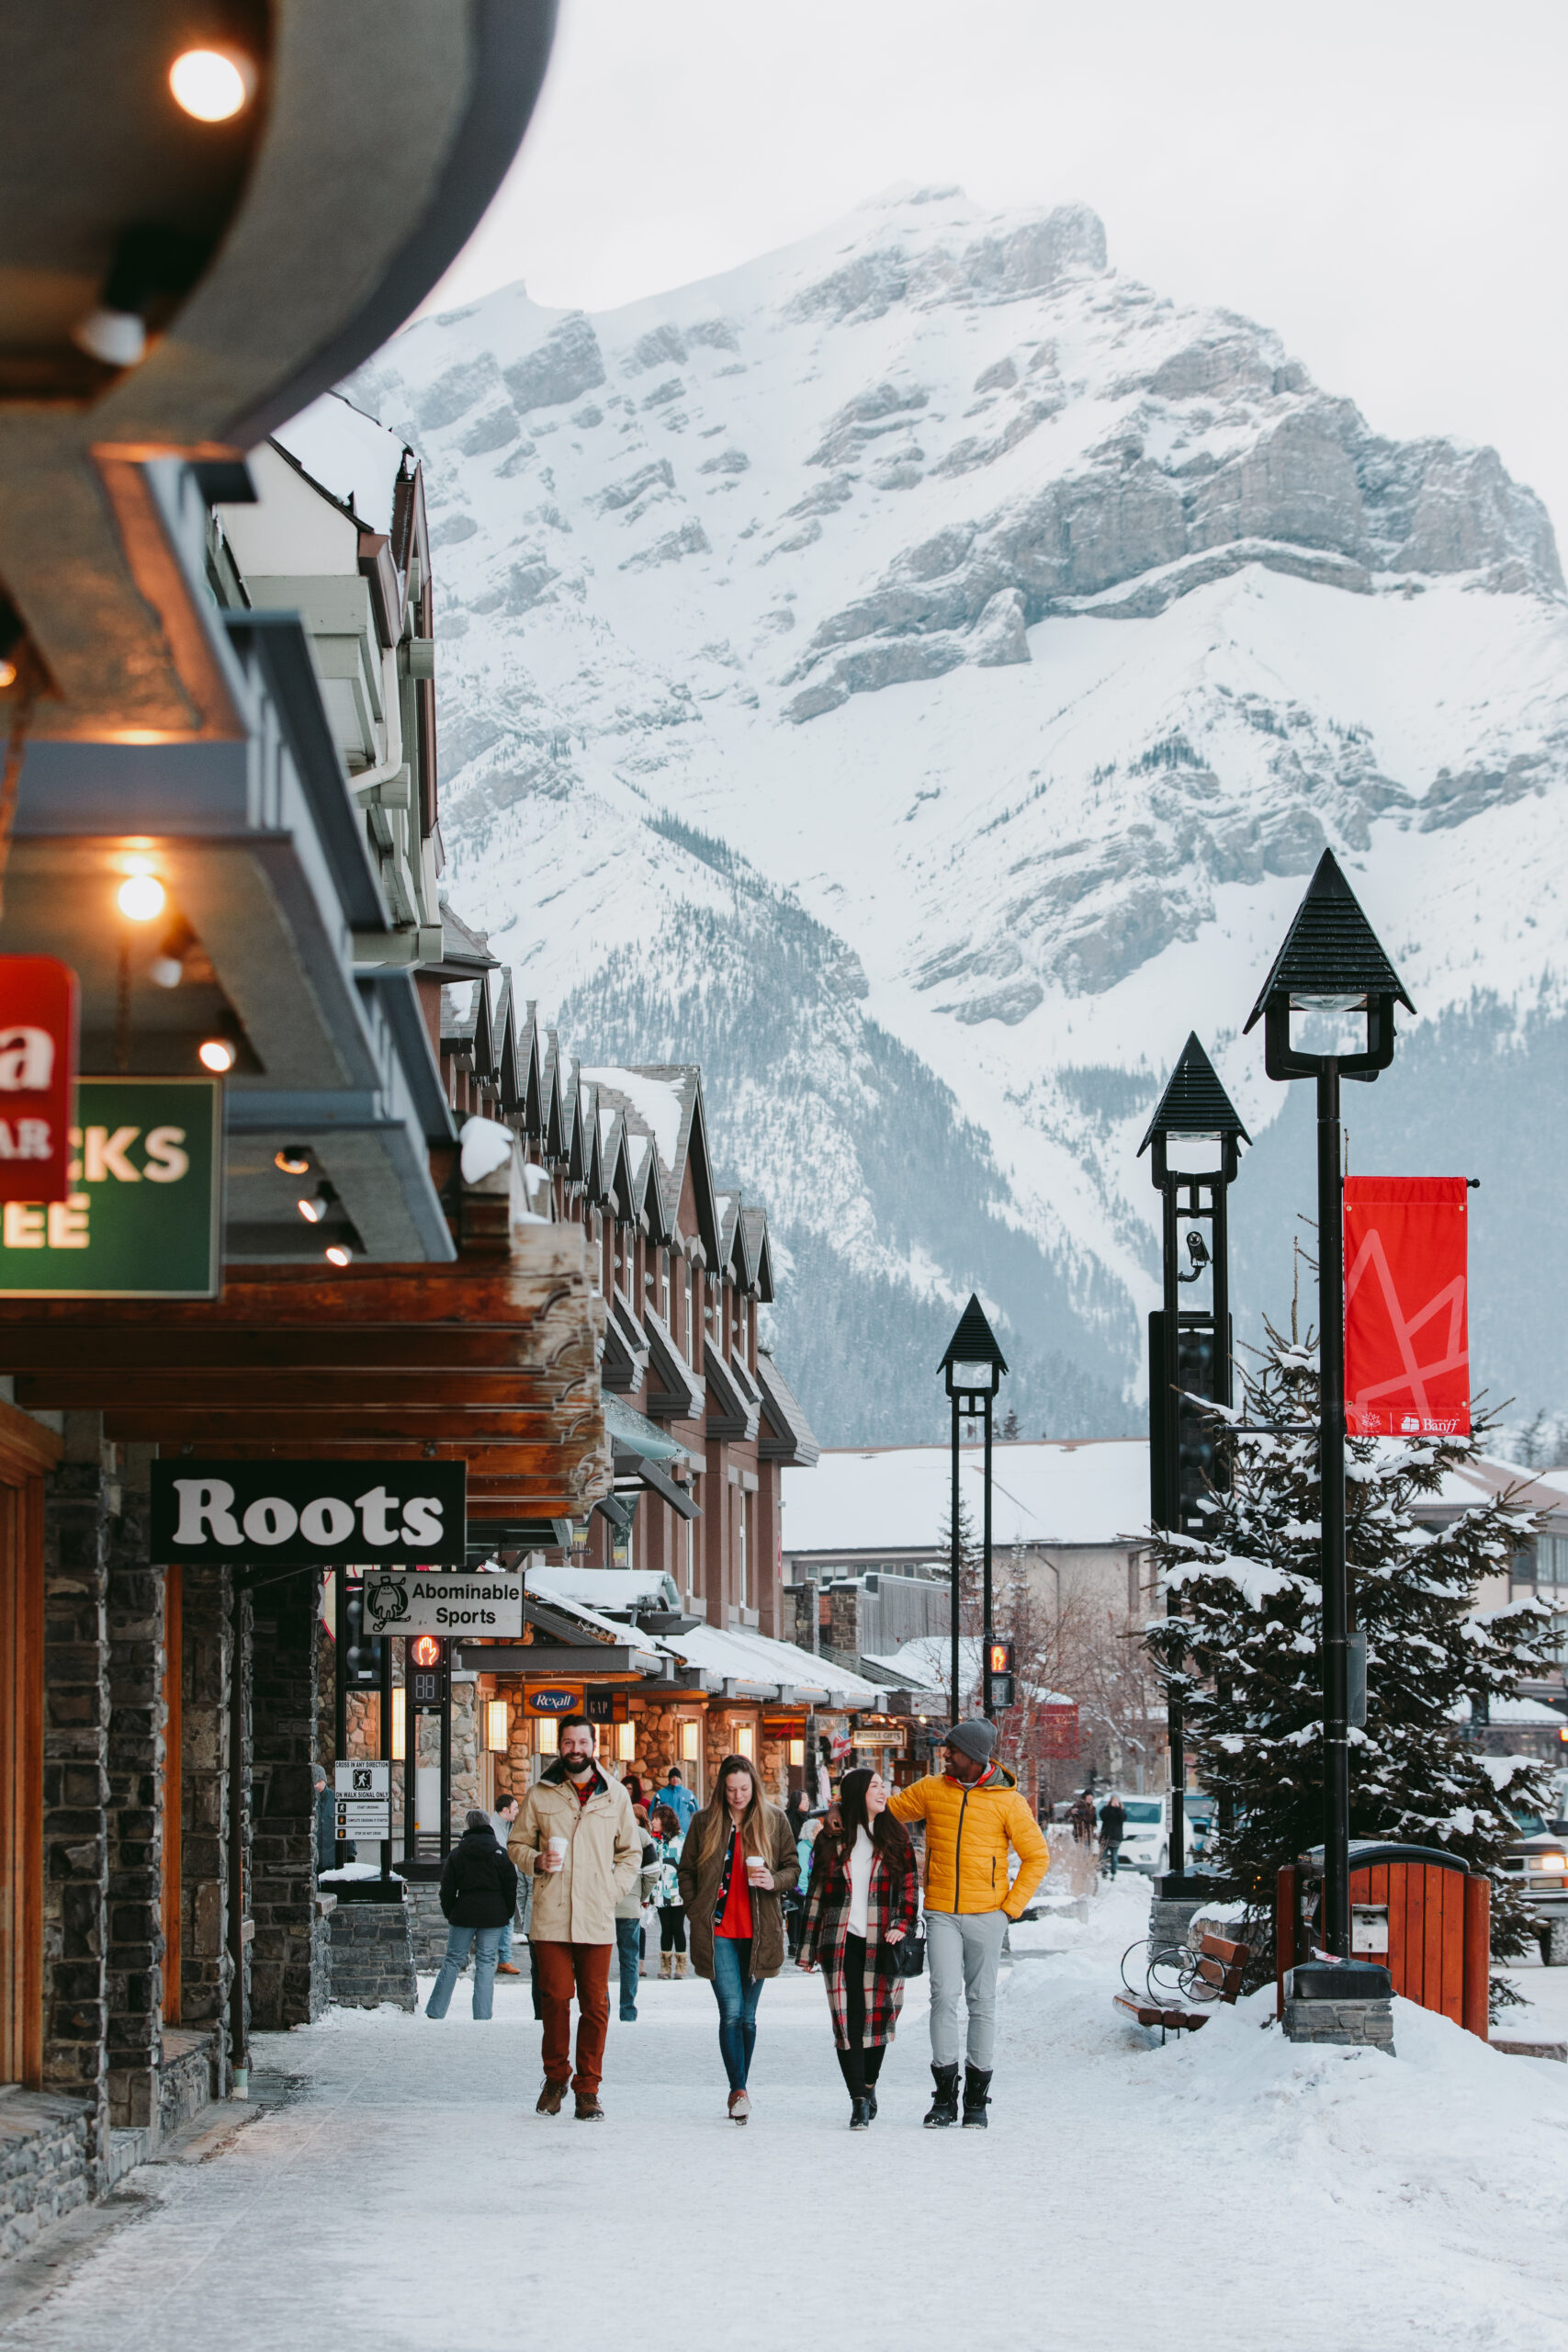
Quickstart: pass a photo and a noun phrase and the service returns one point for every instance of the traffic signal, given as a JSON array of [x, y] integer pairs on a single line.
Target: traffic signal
[[998, 1660], [429, 1671]]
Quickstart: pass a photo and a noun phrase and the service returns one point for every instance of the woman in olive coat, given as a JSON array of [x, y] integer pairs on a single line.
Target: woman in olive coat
[[738, 1864]]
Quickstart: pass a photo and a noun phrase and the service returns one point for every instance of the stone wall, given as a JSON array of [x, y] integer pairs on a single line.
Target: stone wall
[[207, 1659], [133, 1971], [289, 1955], [76, 1774], [47, 2162], [372, 1956]]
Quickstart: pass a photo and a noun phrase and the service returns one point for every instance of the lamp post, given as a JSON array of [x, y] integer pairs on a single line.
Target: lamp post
[[1190, 1348], [1331, 963], [972, 1368]]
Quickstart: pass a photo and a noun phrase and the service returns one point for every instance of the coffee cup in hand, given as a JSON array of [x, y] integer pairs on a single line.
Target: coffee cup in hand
[[558, 1853], [755, 1866]]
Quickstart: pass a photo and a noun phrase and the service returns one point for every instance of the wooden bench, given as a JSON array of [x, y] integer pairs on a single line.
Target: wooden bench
[[1217, 1966]]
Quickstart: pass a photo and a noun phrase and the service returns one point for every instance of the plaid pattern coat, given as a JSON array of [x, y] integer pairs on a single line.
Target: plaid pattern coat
[[892, 1901]]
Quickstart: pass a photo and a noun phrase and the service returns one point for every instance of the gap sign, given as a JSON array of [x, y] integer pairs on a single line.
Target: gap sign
[[310, 1514]]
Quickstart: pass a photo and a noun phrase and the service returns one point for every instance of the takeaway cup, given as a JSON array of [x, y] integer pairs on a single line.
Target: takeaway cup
[[755, 1865], [558, 1853]]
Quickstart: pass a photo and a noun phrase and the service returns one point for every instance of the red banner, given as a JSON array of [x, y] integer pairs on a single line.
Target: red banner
[[1406, 1306], [37, 1077]]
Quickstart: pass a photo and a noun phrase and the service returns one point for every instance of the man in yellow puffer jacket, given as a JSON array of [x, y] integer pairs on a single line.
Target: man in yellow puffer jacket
[[973, 1814]]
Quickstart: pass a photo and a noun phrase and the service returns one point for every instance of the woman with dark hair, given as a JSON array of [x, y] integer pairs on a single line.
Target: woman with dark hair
[[861, 1903], [737, 1862], [667, 1843]]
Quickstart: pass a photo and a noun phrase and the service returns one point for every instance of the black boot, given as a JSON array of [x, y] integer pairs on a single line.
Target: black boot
[[977, 2099], [859, 2114], [943, 2108]]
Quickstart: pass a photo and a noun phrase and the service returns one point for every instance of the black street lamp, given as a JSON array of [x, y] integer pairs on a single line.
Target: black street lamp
[[1331, 962], [972, 1368], [1190, 1348]]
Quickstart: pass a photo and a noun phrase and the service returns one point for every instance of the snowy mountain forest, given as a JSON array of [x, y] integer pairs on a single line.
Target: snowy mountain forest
[[915, 675]]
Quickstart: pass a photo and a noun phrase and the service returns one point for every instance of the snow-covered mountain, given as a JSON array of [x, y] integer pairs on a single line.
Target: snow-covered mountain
[[915, 674]]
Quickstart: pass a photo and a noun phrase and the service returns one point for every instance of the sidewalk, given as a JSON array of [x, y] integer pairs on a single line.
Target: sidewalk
[[402, 2194]]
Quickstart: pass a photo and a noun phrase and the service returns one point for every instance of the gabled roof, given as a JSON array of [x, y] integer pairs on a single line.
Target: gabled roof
[[532, 1075], [1194, 1102], [675, 1390], [573, 1118], [550, 1124], [592, 1158], [508, 1066], [466, 1023], [785, 1435], [759, 1259], [1330, 949]]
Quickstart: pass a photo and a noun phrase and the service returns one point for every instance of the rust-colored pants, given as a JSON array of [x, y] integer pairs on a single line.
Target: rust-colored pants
[[585, 1969]]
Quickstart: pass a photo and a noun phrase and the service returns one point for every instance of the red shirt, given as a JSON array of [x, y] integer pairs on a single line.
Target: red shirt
[[735, 1917]]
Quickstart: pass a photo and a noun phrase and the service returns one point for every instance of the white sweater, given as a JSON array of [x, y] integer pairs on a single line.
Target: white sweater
[[860, 1856]]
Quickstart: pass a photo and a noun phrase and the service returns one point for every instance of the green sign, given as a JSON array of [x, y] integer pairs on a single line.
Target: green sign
[[144, 1215]]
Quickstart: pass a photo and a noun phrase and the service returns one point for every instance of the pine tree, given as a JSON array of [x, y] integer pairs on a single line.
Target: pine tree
[[1244, 1657]]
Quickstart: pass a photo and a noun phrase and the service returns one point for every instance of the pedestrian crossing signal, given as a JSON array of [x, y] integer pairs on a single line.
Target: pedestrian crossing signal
[[1001, 1658], [428, 1674], [998, 1666]]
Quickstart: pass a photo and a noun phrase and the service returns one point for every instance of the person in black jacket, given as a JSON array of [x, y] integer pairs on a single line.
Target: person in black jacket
[[479, 1894]]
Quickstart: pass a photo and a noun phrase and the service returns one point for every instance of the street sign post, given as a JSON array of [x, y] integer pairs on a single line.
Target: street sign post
[[141, 1214], [362, 1794]]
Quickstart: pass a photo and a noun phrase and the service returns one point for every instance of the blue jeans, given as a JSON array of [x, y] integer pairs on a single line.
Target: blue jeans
[[738, 1991], [628, 1945], [458, 1941], [505, 1951]]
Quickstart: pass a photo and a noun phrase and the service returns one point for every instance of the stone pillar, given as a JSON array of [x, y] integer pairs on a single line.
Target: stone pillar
[[134, 1976], [206, 1657], [290, 1963], [75, 1772]]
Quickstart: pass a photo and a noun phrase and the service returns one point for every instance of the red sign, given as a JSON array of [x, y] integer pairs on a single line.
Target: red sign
[[37, 1077], [1058, 1724], [1406, 1306]]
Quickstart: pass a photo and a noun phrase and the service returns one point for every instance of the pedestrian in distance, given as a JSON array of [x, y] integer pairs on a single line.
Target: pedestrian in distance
[[502, 1821], [577, 1838], [479, 1893], [628, 1920], [1082, 1818], [326, 1820], [679, 1798], [974, 1818], [737, 1864], [667, 1842], [1112, 1829], [861, 1903]]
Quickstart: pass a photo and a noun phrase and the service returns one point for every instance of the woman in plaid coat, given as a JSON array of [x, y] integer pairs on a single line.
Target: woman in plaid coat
[[863, 1901]]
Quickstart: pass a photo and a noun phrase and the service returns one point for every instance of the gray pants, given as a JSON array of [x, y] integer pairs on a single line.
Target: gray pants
[[964, 1947]]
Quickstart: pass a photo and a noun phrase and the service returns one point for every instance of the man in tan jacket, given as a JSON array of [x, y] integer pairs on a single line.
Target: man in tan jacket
[[578, 1836]]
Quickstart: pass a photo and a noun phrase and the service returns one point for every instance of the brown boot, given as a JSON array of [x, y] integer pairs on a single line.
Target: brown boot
[[587, 2108], [550, 2099], [666, 1964]]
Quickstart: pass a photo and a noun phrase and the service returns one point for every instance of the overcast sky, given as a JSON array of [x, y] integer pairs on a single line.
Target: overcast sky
[[1385, 183]]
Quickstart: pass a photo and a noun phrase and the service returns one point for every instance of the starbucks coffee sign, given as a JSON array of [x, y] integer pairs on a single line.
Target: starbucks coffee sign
[[310, 1514]]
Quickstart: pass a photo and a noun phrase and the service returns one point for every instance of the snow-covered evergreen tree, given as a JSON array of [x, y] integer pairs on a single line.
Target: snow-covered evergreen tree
[[1244, 1657]]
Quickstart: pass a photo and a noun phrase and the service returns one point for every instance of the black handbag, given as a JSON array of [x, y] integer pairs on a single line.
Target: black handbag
[[908, 1955]]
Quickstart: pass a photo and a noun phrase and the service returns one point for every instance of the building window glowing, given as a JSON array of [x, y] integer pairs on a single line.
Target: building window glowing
[[744, 1742], [497, 1727], [690, 1735], [547, 1737], [798, 1751], [400, 1742], [626, 1743]]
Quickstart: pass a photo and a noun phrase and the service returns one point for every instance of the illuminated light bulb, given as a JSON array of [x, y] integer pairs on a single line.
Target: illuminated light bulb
[[212, 85], [339, 1254], [141, 899], [312, 1206], [166, 971], [294, 1160], [217, 1055], [8, 673]]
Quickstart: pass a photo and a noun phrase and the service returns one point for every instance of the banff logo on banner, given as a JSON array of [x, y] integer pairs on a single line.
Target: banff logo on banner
[[1406, 1306]]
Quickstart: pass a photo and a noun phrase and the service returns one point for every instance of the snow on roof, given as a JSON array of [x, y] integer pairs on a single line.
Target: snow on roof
[[735, 1652], [348, 454], [1511, 1711], [656, 1102], [922, 1665], [1482, 1477], [1092, 1490], [606, 1588]]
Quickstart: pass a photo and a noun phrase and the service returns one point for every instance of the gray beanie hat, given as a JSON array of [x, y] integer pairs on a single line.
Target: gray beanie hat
[[977, 1738]]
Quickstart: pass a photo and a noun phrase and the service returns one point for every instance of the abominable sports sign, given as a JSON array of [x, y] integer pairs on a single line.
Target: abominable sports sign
[[1406, 1306]]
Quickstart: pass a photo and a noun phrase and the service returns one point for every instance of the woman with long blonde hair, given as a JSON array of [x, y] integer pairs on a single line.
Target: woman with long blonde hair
[[738, 1864]]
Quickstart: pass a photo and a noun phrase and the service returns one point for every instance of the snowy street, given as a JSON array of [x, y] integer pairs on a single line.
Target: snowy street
[[399, 2189]]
